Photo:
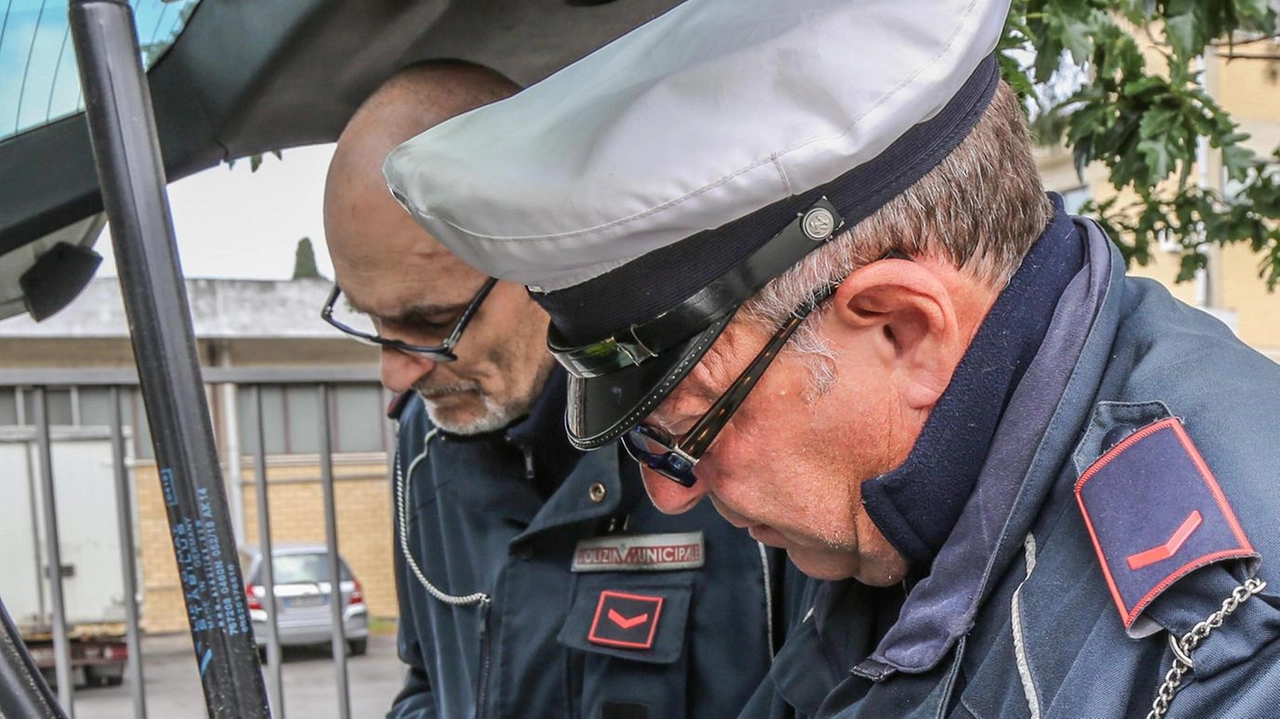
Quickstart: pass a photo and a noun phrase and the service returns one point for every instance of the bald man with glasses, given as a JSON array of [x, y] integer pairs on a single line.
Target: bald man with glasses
[[534, 580]]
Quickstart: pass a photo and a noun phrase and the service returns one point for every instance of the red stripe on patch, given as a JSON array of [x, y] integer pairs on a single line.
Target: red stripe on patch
[[632, 620], [1169, 548]]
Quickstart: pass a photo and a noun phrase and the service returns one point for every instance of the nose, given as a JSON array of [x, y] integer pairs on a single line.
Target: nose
[[671, 497], [402, 370]]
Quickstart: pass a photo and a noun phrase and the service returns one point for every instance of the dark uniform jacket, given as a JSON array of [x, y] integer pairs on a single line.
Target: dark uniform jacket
[[1089, 462], [671, 617]]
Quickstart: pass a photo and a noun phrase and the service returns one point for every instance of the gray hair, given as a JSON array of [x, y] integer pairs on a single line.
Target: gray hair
[[980, 210]]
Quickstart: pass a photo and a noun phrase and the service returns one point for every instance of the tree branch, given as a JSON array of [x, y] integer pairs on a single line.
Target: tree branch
[[1246, 56]]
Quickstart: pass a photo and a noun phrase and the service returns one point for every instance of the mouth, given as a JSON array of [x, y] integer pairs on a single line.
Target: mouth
[[435, 394]]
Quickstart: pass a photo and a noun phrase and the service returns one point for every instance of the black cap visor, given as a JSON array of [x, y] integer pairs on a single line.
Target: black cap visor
[[602, 409]]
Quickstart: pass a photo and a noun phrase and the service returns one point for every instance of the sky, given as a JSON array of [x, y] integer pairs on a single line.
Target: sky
[[234, 223]]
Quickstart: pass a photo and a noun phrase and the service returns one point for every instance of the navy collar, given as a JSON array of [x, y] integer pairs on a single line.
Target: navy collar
[[917, 505], [541, 435]]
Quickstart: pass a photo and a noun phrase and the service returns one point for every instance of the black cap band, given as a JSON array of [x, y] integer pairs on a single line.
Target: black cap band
[[807, 232]]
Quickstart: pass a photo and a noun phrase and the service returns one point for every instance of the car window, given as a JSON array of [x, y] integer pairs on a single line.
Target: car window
[[38, 78], [304, 568]]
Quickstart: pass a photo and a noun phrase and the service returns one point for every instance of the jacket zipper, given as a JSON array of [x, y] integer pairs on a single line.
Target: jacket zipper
[[482, 691], [528, 464]]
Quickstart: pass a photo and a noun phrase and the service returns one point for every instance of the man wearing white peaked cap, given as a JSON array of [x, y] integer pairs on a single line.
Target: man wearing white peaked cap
[[798, 258]]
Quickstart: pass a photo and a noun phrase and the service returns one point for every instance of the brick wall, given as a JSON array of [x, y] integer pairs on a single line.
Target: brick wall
[[162, 607], [296, 505]]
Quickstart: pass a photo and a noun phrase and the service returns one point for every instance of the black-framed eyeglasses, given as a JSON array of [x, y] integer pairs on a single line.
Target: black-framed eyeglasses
[[439, 353], [675, 458]]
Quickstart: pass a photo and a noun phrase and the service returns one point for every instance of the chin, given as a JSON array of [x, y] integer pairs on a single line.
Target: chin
[[827, 565], [471, 419]]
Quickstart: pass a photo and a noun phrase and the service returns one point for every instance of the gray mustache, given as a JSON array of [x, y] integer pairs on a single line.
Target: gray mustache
[[438, 391]]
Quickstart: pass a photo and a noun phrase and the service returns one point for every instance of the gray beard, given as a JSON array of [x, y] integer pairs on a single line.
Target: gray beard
[[495, 417]]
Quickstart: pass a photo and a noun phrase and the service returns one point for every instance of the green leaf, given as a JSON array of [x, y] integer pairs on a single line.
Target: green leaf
[[1077, 39], [1182, 35], [1144, 84], [1232, 138], [1253, 8], [1145, 127], [1158, 122], [1192, 261], [1237, 161], [255, 160]]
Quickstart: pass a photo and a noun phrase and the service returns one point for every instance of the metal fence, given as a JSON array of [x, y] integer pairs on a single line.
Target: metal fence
[[131, 177], [120, 384]]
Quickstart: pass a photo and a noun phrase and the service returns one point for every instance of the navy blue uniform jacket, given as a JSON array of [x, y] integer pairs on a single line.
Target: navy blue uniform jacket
[[502, 514]]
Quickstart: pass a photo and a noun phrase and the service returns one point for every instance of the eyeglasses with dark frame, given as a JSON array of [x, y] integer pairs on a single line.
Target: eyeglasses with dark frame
[[675, 459], [440, 353]]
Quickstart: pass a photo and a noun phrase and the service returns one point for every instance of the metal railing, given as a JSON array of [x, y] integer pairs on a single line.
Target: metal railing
[[121, 383], [127, 159]]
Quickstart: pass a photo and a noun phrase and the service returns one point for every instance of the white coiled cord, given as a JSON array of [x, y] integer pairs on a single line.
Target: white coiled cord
[[403, 513]]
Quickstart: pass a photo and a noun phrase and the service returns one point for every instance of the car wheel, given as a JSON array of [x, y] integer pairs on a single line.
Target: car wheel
[[357, 647], [102, 677]]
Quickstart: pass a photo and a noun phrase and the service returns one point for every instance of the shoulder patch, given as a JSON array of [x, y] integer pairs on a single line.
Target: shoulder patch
[[1155, 513]]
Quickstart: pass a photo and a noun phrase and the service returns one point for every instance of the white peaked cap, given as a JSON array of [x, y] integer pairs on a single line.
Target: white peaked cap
[[708, 113], [649, 189]]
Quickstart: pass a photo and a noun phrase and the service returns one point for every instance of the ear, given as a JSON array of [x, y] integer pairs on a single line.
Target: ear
[[901, 317]]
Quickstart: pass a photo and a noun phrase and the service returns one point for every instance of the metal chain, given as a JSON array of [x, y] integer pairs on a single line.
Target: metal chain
[[1183, 647]]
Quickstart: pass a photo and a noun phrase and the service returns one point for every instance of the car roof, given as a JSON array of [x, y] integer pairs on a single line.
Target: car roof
[[286, 548]]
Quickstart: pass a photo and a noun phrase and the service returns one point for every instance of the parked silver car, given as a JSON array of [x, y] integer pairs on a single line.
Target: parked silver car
[[302, 597]]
